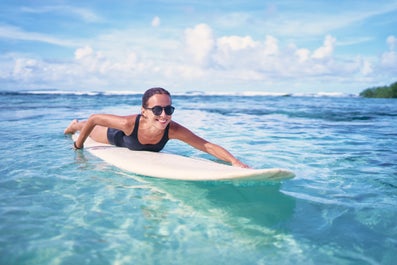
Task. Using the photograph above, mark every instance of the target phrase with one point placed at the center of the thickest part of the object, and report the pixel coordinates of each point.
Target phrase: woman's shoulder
(130, 119)
(129, 123)
(174, 126)
(133, 118)
(178, 131)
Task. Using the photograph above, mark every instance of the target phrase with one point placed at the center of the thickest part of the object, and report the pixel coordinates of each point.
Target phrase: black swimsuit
(118, 138)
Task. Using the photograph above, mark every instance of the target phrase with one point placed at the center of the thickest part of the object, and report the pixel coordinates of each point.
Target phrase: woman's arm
(124, 123)
(179, 132)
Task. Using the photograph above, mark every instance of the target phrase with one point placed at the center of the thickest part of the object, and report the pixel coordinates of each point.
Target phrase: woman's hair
(151, 92)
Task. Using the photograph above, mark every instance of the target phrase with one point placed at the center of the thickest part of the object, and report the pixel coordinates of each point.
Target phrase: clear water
(58, 206)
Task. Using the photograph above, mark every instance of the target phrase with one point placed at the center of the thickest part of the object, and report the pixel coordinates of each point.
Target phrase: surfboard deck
(177, 167)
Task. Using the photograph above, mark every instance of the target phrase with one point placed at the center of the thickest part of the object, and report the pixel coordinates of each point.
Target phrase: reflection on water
(237, 203)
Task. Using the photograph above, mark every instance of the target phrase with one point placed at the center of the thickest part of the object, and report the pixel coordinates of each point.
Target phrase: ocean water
(60, 206)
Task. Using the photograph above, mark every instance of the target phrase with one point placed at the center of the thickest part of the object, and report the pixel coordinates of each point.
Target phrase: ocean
(60, 206)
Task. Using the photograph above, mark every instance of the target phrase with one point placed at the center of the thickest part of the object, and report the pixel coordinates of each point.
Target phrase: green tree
(381, 92)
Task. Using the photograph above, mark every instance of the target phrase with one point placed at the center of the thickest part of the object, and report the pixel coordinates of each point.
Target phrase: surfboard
(177, 167)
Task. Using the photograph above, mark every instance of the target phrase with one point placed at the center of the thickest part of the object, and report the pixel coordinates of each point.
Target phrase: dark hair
(151, 92)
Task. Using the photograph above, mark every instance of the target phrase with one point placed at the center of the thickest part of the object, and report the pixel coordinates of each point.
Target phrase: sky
(285, 46)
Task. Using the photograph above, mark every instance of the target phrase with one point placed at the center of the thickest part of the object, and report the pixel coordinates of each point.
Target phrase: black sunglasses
(157, 110)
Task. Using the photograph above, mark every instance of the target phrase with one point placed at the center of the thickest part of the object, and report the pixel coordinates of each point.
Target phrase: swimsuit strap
(135, 131)
(136, 126)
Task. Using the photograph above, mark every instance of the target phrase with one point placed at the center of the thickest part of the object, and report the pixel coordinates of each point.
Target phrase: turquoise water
(59, 206)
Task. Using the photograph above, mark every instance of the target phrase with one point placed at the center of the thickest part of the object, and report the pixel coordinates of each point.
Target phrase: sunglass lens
(169, 110)
(157, 110)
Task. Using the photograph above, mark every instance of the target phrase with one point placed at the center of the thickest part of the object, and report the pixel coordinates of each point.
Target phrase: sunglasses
(157, 110)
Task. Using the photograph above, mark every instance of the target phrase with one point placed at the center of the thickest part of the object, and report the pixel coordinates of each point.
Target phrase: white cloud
(80, 53)
(271, 46)
(298, 22)
(15, 33)
(234, 52)
(24, 68)
(235, 43)
(199, 42)
(302, 54)
(325, 50)
(365, 67)
(156, 22)
(389, 58)
(124, 58)
(84, 14)
(392, 42)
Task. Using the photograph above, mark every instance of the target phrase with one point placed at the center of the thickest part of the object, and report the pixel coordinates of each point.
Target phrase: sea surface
(60, 206)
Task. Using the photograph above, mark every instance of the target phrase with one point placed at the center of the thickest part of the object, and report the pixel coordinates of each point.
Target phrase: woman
(148, 131)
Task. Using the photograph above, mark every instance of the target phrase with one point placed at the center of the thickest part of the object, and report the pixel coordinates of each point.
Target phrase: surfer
(147, 131)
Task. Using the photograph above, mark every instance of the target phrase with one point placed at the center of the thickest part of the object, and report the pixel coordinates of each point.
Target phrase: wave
(67, 92)
(265, 94)
(187, 93)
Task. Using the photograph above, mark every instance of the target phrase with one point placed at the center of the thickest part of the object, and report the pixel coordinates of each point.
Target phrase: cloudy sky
(288, 46)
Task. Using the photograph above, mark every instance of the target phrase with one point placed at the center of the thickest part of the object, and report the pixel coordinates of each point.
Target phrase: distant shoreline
(380, 92)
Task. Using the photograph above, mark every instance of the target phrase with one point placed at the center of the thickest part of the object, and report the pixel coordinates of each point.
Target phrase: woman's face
(159, 121)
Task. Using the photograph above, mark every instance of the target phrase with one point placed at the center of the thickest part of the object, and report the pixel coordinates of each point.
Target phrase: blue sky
(280, 46)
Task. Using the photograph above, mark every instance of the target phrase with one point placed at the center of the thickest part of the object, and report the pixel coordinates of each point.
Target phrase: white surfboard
(172, 166)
